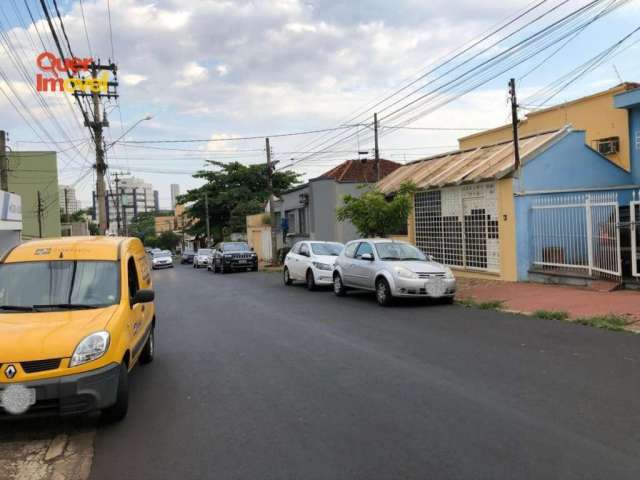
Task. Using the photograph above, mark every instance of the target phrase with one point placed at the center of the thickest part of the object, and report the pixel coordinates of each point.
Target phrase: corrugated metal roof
(488, 162)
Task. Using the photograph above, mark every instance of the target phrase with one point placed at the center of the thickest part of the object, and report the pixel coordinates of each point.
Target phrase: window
(296, 248)
(302, 220)
(132, 278)
(350, 249)
(364, 248)
(304, 250)
(459, 226)
(291, 218)
(83, 282)
(608, 146)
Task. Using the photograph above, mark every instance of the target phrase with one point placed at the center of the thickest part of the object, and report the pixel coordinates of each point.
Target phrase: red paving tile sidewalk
(576, 301)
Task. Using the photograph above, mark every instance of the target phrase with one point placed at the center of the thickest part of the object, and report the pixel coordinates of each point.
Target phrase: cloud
(258, 67)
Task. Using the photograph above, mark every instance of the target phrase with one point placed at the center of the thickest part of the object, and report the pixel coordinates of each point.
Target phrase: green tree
(234, 190)
(143, 226)
(374, 215)
(167, 241)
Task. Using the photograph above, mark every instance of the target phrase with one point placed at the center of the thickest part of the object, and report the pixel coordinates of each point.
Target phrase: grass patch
(616, 323)
(551, 315)
(485, 305)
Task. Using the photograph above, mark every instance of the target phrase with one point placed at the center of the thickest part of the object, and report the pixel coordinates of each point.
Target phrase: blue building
(565, 214)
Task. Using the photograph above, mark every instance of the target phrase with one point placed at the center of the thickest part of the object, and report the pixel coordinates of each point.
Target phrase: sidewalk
(577, 302)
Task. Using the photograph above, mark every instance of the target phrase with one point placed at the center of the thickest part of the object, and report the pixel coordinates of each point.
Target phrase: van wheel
(286, 276)
(149, 349)
(311, 281)
(383, 293)
(118, 411)
(338, 286)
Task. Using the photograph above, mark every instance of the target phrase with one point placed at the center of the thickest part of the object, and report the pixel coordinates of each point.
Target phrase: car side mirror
(144, 295)
(367, 256)
(430, 258)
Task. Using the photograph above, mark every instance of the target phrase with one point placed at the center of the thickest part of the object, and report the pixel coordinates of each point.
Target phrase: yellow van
(76, 315)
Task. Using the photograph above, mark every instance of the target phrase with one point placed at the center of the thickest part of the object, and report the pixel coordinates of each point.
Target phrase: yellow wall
(595, 114)
(507, 230)
(164, 224)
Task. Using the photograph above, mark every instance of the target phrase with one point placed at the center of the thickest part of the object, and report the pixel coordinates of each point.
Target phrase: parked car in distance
(187, 256)
(229, 256)
(311, 262)
(73, 354)
(392, 269)
(161, 259)
(201, 257)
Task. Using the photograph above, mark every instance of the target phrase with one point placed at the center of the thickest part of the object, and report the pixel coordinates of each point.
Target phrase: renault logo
(10, 371)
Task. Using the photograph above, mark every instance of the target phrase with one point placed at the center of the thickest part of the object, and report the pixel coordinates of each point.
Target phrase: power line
(231, 139)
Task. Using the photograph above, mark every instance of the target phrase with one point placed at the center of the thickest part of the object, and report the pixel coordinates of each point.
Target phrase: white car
(201, 258)
(161, 259)
(311, 262)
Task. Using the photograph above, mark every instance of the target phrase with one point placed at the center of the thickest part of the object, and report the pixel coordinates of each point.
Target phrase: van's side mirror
(367, 256)
(144, 295)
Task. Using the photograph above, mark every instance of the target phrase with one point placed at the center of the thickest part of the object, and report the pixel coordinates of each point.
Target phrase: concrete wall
(30, 172)
(596, 114)
(322, 202)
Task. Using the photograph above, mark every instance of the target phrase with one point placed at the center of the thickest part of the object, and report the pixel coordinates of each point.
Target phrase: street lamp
(148, 117)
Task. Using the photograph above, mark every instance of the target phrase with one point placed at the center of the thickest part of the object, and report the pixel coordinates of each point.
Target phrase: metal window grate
(458, 226)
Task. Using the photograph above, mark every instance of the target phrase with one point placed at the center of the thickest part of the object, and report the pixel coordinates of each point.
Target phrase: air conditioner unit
(608, 146)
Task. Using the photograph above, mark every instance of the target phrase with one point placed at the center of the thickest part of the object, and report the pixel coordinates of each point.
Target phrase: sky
(220, 69)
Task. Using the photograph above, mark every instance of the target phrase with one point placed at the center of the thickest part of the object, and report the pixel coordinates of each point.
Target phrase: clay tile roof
(360, 171)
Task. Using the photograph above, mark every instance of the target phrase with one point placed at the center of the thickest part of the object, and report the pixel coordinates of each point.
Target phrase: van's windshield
(56, 285)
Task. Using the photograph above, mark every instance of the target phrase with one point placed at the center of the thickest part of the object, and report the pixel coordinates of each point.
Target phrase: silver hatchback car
(391, 269)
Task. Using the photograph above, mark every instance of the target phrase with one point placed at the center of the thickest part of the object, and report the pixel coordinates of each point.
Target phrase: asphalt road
(255, 380)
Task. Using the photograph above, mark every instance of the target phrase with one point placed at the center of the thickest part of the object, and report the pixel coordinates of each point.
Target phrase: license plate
(17, 399)
(242, 262)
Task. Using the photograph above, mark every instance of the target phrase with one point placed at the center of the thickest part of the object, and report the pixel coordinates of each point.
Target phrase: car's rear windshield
(319, 248)
(235, 247)
(164, 253)
(45, 284)
(204, 251)
(398, 251)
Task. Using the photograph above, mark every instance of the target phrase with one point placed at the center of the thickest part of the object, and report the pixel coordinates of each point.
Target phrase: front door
(363, 269)
(137, 313)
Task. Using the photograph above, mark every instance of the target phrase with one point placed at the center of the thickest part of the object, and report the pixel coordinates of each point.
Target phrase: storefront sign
(10, 207)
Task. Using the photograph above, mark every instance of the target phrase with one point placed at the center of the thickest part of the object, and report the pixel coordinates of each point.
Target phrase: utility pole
(39, 214)
(514, 122)
(96, 125)
(66, 204)
(117, 176)
(4, 176)
(272, 210)
(377, 150)
(206, 214)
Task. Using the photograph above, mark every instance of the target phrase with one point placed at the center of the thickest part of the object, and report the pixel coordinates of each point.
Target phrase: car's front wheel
(118, 411)
(383, 293)
(149, 349)
(286, 276)
(311, 281)
(338, 287)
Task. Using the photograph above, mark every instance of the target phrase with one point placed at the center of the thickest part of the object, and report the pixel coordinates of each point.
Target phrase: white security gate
(634, 210)
(578, 233)
(458, 226)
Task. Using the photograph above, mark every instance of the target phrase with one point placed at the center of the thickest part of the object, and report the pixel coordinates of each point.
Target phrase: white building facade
(133, 196)
(175, 191)
(69, 202)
